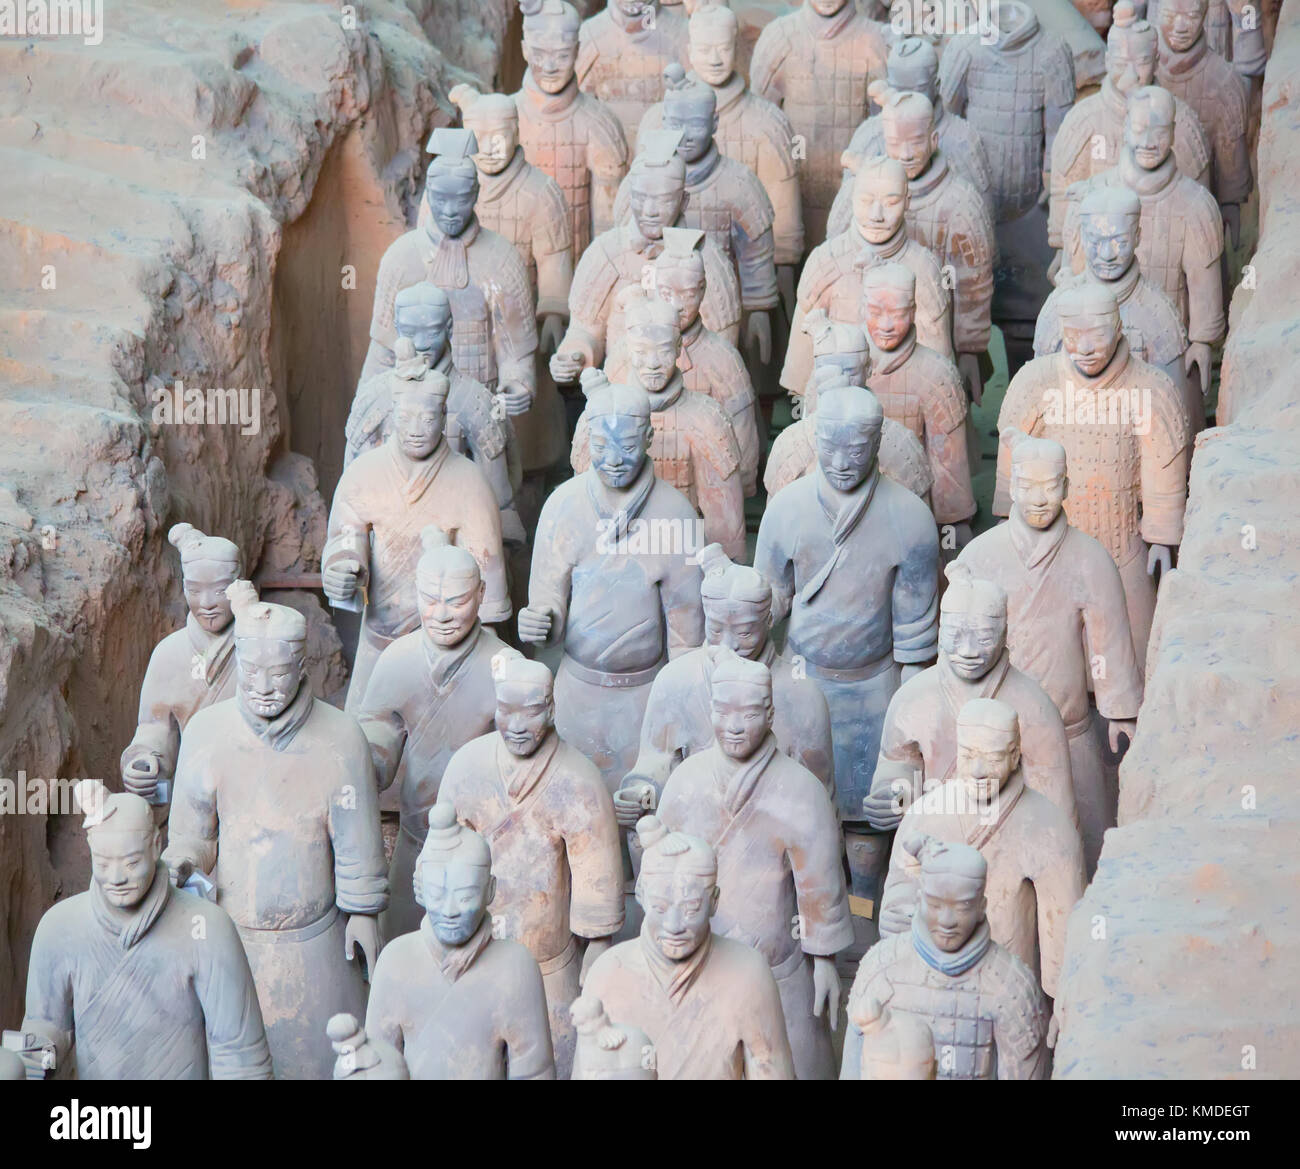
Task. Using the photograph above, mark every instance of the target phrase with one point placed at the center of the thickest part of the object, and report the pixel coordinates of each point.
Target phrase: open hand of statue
(1197, 356)
(517, 398)
(362, 933)
(636, 798)
(535, 624)
(826, 989)
(758, 335)
(1159, 558)
(339, 580)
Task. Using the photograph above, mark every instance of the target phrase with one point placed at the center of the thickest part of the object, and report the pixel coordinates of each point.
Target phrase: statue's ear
(1065, 488)
(713, 900)
(490, 892)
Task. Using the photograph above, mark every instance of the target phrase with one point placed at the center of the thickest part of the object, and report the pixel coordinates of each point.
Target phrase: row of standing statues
(656, 794)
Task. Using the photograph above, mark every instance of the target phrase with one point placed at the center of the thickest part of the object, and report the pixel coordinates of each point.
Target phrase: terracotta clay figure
(430, 693)
(737, 617)
(920, 389)
(853, 559)
(148, 982)
(693, 444)
(613, 581)
(360, 1057)
(1092, 134)
(621, 258)
(494, 326)
(708, 364)
(1109, 219)
(894, 1046)
(708, 1004)
(918, 747)
(1180, 242)
(777, 840)
(816, 64)
(275, 800)
(458, 1002)
(610, 1051)
(189, 669)
(572, 136)
(1234, 29)
(1034, 852)
(832, 277)
(383, 501)
(546, 814)
(622, 52)
(1068, 625)
(985, 1010)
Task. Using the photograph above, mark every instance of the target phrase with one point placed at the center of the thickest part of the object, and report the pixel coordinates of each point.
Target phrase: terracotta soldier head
(972, 623)
(848, 424)
(679, 277)
(1039, 483)
(988, 747)
(550, 42)
(880, 199)
(124, 841)
(1110, 220)
(419, 404)
(907, 120)
(737, 604)
(691, 108)
(453, 878)
(525, 702)
(1181, 22)
(1131, 48)
(620, 428)
(270, 651)
(740, 696)
(889, 304)
(950, 898)
(449, 586)
(422, 315)
(209, 566)
(1090, 326)
(451, 182)
(493, 119)
(677, 888)
(654, 338)
(841, 356)
(1149, 125)
(713, 31)
(913, 65)
(610, 1051)
(894, 1046)
(656, 182)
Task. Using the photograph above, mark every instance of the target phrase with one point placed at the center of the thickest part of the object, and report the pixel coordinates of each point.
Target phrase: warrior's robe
(144, 994)
(471, 1012)
(625, 595)
(381, 504)
(549, 821)
(423, 702)
(1035, 866)
(861, 585)
(713, 1016)
(779, 871)
(1065, 602)
(283, 814)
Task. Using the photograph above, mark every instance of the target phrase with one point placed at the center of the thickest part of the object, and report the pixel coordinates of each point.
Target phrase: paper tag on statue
(201, 886)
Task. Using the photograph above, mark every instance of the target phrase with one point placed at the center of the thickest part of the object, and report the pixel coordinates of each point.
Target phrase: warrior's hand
(826, 989)
(180, 870)
(758, 335)
(535, 623)
(339, 580)
(516, 398)
(1232, 224)
(896, 918)
(595, 948)
(551, 333)
(636, 798)
(140, 776)
(1198, 357)
(566, 367)
(968, 365)
(1160, 557)
(363, 933)
(1121, 726)
(884, 807)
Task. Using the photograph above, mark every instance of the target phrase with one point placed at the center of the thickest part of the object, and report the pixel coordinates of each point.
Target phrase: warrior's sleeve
(552, 249)
(721, 308)
(526, 1024)
(360, 870)
(915, 601)
(1046, 753)
(1202, 250)
(192, 822)
(840, 217)
(764, 1038)
(158, 734)
(812, 745)
(825, 927)
(954, 66)
(392, 277)
(1249, 53)
(971, 250)
(813, 292)
(594, 282)
(383, 1016)
(679, 593)
(900, 770)
(735, 394)
(1116, 677)
(952, 498)
(779, 174)
(1069, 158)
(237, 1047)
(657, 753)
(773, 561)
(1058, 73)
(486, 435)
(1191, 145)
(49, 1012)
(753, 243)
(381, 718)
(514, 320)
(898, 897)
(1166, 452)
(719, 489)
(1058, 886)
(607, 160)
(1020, 1028)
(347, 536)
(480, 534)
(551, 578)
(1021, 407)
(765, 66)
(935, 317)
(592, 842)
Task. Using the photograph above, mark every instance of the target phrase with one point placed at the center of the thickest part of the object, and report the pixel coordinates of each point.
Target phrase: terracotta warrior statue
(430, 693)
(920, 389)
(622, 52)
(359, 1057)
(457, 1001)
(189, 669)
(1068, 624)
(1034, 852)
(546, 814)
(614, 582)
(608, 1050)
(894, 1046)
(1181, 240)
(737, 617)
(622, 258)
(985, 1010)
(572, 136)
(853, 560)
(1092, 134)
(145, 981)
(708, 1003)
(708, 364)
(1124, 428)
(918, 746)
(777, 840)
(692, 441)
(275, 801)
(832, 277)
(1234, 29)
(383, 501)
(816, 64)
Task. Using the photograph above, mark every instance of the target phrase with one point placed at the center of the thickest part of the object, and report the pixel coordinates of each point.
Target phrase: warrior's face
(427, 327)
(205, 583)
(713, 53)
(456, 896)
(1181, 22)
(879, 205)
(656, 196)
(972, 642)
(740, 626)
(451, 195)
(1130, 61)
(418, 420)
(742, 716)
(678, 905)
(1109, 244)
(846, 449)
(525, 715)
(911, 141)
(270, 674)
(652, 353)
(952, 906)
(986, 759)
(1090, 342)
(683, 288)
(826, 7)
(551, 59)
(618, 449)
(697, 123)
(1150, 135)
(630, 8)
(890, 313)
(449, 608)
(123, 862)
(1038, 490)
(498, 138)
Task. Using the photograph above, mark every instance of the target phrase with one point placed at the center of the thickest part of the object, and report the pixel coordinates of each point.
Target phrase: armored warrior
(546, 814)
(816, 64)
(275, 801)
(1230, 31)
(147, 981)
(985, 1010)
(1068, 624)
(430, 693)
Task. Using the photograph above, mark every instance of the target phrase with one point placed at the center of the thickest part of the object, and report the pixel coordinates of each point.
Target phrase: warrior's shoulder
(1201, 216)
(924, 264)
(710, 431)
(1163, 330)
(766, 120)
(748, 197)
(544, 193)
(1078, 127)
(779, 36)
(878, 961)
(601, 125)
(1022, 1014)
(902, 458)
(792, 451)
(720, 356)
(822, 268)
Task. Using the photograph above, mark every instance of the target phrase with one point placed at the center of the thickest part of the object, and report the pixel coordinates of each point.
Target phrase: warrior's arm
(679, 593)
(551, 578)
(1116, 675)
(915, 600)
(527, 1028)
(49, 1012)
(596, 907)
(945, 446)
(607, 160)
(780, 178)
(1205, 319)
(360, 871)
(382, 723)
(722, 498)
(1058, 100)
(594, 281)
(773, 563)
(824, 924)
(348, 532)
(192, 828)
(514, 331)
(554, 276)
(765, 1040)
(770, 52)
(742, 410)
(383, 1019)
(158, 735)
(1018, 409)
(1166, 452)
(237, 1047)
(971, 254)
(756, 267)
(1058, 886)
(480, 534)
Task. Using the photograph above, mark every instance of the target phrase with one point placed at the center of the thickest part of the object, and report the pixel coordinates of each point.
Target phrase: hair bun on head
(650, 830)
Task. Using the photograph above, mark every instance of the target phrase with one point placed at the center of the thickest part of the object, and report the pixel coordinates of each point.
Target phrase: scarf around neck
(633, 501)
(826, 27)
(1034, 546)
(843, 522)
(444, 663)
(974, 948)
(521, 776)
(929, 179)
(493, 187)
(885, 361)
(1146, 183)
(130, 925)
(277, 733)
(453, 961)
(215, 650)
(675, 979)
(736, 780)
(871, 254)
(957, 691)
(446, 260)
(551, 106)
(1184, 62)
(417, 474)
